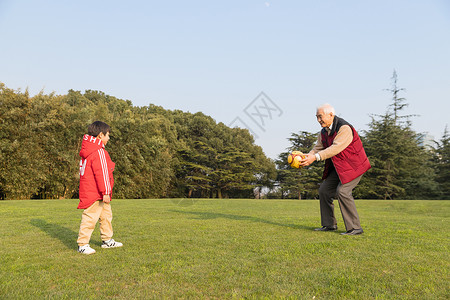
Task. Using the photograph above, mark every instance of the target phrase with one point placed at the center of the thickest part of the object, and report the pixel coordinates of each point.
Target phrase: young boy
(96, 184)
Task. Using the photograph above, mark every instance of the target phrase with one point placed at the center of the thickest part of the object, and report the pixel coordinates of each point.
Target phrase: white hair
(327, 108)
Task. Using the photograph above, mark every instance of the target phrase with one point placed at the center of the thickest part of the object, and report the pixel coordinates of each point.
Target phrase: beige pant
(99, 211)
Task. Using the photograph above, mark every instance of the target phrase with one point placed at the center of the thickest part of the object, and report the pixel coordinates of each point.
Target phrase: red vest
(351, 162)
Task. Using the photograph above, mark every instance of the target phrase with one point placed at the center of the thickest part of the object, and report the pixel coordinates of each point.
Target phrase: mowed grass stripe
(183, 248)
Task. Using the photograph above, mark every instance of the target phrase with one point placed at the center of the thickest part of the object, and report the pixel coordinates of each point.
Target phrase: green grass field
(226, 249)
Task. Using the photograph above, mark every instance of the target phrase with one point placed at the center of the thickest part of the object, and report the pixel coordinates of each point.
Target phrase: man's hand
(309, 159)
(106, 198)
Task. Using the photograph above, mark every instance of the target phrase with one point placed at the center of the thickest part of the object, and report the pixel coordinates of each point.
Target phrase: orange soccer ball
(294, 159)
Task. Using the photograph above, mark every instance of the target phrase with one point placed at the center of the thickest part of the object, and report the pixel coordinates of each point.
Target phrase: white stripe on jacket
(105, 171)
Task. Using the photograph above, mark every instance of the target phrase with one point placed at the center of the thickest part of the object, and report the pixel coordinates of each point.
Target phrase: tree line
(403, 166)
(170, 153)
(159, 152)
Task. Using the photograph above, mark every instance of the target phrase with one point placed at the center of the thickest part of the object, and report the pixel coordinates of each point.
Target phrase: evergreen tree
(398, 103)
(298, 183)
(400, 166)
(442, 159)
(218, 161)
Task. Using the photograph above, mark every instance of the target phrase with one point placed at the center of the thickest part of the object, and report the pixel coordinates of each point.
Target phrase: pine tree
(298, 183)
(400, 166)
(442, 159)
(398, 103)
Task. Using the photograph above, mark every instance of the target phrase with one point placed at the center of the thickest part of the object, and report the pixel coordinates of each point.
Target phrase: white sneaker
(111, 244)
(86, 249)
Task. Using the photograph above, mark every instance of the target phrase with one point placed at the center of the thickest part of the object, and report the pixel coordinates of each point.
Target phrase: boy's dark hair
(98, 126)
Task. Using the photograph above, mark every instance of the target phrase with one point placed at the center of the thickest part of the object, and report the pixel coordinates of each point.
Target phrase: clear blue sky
(217, 56)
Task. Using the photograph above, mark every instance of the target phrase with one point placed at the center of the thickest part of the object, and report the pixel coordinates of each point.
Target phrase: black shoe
(325, 228)
(353, 232)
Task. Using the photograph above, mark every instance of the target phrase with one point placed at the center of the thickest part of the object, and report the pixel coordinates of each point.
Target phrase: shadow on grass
(213, 215)
(67, 236)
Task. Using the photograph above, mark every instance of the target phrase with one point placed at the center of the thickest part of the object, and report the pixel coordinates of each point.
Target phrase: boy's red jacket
(96, 171)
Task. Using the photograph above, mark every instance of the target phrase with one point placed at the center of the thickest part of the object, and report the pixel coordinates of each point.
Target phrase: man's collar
(328, 129)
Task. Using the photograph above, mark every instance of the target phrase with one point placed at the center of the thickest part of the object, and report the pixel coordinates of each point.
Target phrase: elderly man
(345, 163)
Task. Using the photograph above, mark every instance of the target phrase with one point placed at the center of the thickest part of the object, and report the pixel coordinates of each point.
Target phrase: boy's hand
(106, 198)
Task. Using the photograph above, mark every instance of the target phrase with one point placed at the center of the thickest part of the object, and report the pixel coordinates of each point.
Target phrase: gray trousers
(332, 188)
